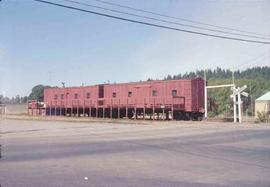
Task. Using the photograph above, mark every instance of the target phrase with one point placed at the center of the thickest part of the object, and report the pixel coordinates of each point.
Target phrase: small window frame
(114, 94)
(130, 94)
(88, 95)
(174, 93)
(76, 96)
(154, 93)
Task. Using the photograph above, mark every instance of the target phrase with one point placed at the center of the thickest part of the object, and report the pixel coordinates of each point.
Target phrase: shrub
(263, 116)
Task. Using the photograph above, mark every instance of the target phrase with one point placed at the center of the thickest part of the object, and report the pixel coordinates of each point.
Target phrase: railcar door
(101, 91)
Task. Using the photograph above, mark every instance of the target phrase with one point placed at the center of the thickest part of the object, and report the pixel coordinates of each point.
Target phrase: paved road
(36, 153)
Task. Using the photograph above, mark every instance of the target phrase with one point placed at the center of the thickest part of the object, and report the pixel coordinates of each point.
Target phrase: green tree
(37, 92)
(256, 79)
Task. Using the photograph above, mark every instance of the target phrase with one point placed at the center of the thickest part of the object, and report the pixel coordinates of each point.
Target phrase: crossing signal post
(237, 92)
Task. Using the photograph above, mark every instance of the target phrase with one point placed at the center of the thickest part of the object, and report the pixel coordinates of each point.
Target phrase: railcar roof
(138, 82)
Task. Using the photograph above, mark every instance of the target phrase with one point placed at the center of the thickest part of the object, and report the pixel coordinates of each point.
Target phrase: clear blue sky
(43, 44)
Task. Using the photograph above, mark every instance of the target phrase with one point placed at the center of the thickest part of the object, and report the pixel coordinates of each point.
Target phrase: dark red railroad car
(185, 98)
(172, 99)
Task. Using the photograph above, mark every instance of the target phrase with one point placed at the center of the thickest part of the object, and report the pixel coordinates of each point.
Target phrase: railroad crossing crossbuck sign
(238, 92)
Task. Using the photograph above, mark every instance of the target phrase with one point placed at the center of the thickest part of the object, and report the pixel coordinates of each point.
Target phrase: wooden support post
(83, 108)
(118, 113)
(96, 111)
(111, 108)
(144, 109)
(163, 117)
(54, 110)
(135, 110)
(90, 109)
(27, 108)
(103, 112)
(50, 112)
(154, 110)
(78, 110)
(127, 110)
(172, 109)
(163, 108)
(71, 111)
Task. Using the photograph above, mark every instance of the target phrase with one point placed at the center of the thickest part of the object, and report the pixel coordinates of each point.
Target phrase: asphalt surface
(40, 153)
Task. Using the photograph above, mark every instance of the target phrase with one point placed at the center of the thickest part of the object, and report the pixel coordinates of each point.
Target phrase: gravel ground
(55, 153)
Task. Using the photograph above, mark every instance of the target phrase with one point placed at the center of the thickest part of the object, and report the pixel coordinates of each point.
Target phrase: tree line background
(257, 80)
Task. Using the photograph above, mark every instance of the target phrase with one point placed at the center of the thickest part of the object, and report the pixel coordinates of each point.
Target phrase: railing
(157, 102)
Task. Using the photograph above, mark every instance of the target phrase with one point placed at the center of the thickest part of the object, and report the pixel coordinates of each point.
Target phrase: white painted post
(205, 97)
(234, 108)
(239, 107)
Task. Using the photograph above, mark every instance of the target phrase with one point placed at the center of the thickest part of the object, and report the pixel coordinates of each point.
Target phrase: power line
(254, 60)
(177, 18)
(152, 24)
(164, 21)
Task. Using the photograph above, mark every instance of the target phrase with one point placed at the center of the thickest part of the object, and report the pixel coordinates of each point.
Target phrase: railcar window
(129, 94)
(154, 93)
(174, 93)
(75, 96)
(114, 94)
(88, 95)
(62, 96)
(55, 96)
